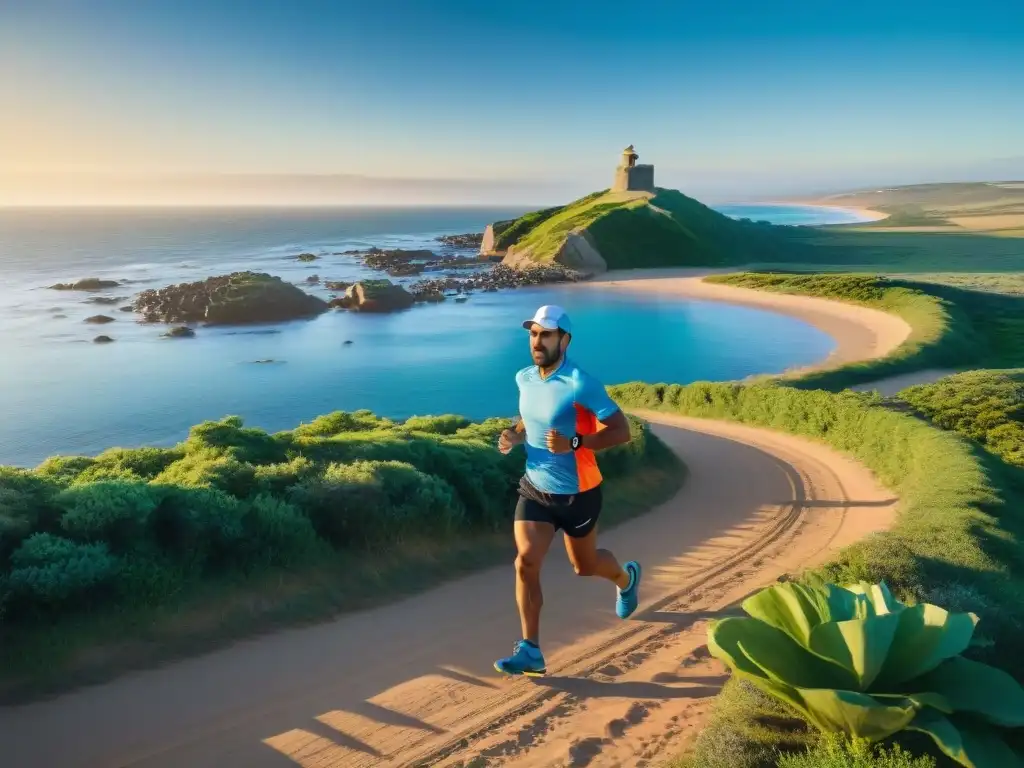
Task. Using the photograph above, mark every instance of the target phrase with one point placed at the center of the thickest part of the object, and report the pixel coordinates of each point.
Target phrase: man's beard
(545, 358)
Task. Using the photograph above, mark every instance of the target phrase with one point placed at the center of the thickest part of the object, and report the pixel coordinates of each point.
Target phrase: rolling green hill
(623, 230)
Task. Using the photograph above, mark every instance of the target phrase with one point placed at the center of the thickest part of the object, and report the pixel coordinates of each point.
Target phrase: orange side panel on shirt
(586, 462)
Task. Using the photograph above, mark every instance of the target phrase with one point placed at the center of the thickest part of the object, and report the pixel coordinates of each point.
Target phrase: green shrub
(26, 505)
(342, 421)
(835, 751)
(145, 463)
(207, 468)
(986, 406)
(64, 470)
(199, 524)
(277, 479)
(368, 503)
(438, 425)
(278, 533)
(48, 570)
(113, 511)
(229, 437)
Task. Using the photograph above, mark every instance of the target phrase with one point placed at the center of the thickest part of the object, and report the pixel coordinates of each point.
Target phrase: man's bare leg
(532, 543)
(588, 560)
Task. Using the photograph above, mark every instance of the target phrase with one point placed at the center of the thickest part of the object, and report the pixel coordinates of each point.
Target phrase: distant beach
(800, 214)
(862, 215)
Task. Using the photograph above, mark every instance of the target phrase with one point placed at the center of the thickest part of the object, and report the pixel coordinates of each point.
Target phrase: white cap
(550, 317)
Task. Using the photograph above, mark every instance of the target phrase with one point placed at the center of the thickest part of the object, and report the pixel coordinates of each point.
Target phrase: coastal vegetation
(957, 542)
(950, 450)
(236, 529)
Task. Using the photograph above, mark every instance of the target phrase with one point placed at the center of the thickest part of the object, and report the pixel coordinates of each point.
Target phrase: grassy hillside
(633, 229)
(992, 207)
(985, 406)
(236, 530)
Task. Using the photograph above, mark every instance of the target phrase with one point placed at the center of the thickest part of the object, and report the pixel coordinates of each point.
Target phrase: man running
(566, 416)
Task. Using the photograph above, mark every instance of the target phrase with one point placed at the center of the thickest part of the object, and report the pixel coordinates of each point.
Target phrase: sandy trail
(411, 683)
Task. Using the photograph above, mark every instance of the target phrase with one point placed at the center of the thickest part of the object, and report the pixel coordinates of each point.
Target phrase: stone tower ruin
(630, 177)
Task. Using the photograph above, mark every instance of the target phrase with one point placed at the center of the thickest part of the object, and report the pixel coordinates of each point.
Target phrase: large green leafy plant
(855, 660)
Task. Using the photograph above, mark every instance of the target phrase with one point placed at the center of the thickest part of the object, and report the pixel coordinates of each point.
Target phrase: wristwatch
(576, 442)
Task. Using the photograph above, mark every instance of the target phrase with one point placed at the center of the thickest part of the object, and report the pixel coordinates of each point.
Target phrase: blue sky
(743, 96)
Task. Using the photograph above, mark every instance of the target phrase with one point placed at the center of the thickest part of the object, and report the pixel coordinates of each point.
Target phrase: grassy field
(953, 328)
(986, 406)
(957, 541)
(842, 249)
(991, 207)
(136, 555)
(1011, 283)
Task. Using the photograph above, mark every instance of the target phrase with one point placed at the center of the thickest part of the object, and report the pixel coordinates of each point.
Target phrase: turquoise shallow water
(59, 393)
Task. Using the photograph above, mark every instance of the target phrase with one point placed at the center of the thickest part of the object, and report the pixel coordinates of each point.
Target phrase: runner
(566, 417)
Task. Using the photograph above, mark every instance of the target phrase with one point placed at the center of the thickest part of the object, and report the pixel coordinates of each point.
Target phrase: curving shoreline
(866, 214)
(860, 333)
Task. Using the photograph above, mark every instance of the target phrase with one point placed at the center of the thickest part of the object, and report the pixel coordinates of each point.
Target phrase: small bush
(64, 470)
(834, 751)
(113, 511)
(438, 425)
(26, 505)
(48, 570)
(200, 524)
(207, 468)
(278, 533)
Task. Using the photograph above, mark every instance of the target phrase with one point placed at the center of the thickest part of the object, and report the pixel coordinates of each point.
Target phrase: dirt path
(412, 683)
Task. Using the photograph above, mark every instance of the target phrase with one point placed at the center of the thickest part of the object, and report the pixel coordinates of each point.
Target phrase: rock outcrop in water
(238, 298)
(498, 278)
(375, 296)
(468, 240)
(99, 319)
(86, 284)
(180, 332)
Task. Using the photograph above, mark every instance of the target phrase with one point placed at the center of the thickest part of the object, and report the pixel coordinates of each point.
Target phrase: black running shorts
(576, 514)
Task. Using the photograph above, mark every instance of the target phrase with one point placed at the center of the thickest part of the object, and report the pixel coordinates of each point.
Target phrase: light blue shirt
(571, 401)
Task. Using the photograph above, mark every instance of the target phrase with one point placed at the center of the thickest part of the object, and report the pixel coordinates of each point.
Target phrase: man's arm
(615, 432)
(591, 394)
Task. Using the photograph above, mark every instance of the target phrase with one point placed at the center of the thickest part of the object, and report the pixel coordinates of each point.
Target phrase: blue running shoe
(526, 659)
(628, 598)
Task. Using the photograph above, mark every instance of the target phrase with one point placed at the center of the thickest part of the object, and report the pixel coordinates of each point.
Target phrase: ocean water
(62, 394)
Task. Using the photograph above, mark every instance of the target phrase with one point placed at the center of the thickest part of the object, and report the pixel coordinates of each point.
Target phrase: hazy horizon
(408, 103)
